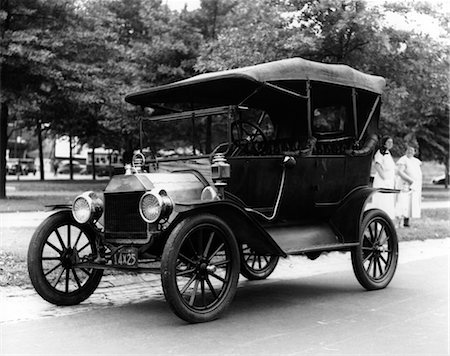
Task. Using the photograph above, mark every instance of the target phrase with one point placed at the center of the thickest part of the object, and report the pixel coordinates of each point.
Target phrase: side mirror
(289, 162)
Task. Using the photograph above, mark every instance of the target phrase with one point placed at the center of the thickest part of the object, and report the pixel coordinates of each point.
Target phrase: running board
(139, 268)
(295, 240)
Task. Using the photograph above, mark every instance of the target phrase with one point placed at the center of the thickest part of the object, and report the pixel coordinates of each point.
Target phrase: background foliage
(69, 64)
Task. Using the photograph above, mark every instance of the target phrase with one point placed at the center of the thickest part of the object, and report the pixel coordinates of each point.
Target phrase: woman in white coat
(410, 185)
(385, 170)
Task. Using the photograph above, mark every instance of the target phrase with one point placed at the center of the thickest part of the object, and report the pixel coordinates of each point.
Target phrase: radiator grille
(122, 218)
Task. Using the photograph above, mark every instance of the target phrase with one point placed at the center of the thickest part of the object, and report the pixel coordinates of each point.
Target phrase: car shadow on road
(271, 298)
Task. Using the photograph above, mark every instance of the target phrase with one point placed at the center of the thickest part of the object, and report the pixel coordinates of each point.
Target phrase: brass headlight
(155, 206)
(87, 207)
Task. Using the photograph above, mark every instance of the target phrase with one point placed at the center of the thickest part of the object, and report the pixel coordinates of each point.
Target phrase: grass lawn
(56, 185)
(431, 192)
(434, 224)
(13, 271)
(35, 195)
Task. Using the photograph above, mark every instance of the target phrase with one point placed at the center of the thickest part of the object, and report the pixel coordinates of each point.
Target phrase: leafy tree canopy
(69, 64)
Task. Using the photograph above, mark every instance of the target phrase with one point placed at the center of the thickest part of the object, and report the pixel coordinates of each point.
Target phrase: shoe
(406, 222)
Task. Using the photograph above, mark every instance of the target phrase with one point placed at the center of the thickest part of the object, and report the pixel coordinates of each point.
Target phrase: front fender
(346, 220)
(246, 228)
(58, 207)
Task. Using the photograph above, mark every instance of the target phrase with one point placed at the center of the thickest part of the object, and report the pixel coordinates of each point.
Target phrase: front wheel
(375, 259)
(200, 268)
(56, 247)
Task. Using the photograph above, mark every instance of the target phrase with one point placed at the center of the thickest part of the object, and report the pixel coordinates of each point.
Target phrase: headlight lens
(87, 206)
(150, 207)
(155, 206)
(81, 210)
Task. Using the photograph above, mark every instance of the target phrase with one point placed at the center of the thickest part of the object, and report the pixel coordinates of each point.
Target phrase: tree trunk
(70, 158)
(3, 145)
(216, 10)
(110, 168)
(41, 153)
(93, 163)
(193, 135)
(3, 106)
(446, 173)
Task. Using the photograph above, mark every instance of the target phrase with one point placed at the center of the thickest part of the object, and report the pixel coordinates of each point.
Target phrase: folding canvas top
(234, 85)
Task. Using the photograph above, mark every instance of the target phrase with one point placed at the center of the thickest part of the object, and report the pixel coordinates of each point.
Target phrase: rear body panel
(314, 187)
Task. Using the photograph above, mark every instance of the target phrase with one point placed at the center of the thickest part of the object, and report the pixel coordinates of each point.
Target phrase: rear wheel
(58, 244)
(255, 266)
(200, 268)
(375, 259)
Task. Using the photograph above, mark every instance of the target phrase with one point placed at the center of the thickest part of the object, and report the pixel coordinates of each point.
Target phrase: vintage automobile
(291, 177)
(21, 166)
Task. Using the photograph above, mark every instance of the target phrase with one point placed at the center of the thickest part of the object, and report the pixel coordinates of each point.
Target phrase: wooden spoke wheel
(375, 259)
(56, 247)
(255, 266)
(200, 268)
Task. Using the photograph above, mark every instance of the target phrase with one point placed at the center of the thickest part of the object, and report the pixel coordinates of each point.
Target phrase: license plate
(127, 257)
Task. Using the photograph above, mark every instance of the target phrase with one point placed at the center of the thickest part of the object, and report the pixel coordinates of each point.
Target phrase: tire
(200, 268)
(375, 259)
(56, 246)
(255, 266)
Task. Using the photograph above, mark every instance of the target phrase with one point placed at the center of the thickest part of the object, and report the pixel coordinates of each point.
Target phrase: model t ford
(289, 176)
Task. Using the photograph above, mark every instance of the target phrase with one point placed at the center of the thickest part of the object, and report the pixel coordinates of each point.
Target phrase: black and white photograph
(224, 177)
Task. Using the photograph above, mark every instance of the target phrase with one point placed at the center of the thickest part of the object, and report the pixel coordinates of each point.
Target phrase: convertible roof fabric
(236, 84)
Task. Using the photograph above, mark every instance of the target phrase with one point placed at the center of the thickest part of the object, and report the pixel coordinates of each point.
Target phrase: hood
(180, 186)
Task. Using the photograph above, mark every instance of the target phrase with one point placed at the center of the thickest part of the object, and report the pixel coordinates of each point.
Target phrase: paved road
(305, 307)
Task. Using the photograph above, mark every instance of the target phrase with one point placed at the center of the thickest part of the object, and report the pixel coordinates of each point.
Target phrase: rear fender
(347, 219)
(246, 229)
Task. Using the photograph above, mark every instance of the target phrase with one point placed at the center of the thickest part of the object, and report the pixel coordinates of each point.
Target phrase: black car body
(291, 177)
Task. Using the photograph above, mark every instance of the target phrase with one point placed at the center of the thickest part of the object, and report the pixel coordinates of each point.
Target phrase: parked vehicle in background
(64, 167)
(439, 180)
(12, 165)
(106, 161)
(289, 175)
(27, 165)
(21, 166)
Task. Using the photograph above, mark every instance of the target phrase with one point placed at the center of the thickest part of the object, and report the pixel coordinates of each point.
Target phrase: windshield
(189, 137)
(184, 135)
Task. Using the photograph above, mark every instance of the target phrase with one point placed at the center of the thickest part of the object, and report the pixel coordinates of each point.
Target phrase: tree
(160, 46)
(253, 32)
(28, 43)
(211, 17)
(416, 106)
(414, 64)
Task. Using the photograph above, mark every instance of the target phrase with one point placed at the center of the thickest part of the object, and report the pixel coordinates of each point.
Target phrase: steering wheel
(255, 141)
